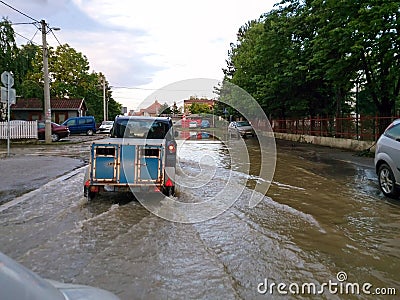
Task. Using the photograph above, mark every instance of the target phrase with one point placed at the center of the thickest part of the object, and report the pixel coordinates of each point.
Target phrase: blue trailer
(140, 155)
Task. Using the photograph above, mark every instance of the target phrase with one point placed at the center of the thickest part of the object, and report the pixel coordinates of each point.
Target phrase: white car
(17, 282)
(387, 160)
(193, 124)
(106, 126)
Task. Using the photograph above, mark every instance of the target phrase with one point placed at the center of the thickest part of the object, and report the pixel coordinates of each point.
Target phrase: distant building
(151, 111)
(189, 102)
(61, 109)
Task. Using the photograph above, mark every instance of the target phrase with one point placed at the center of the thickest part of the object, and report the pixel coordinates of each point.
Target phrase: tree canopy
(68, 73)
(305, 58)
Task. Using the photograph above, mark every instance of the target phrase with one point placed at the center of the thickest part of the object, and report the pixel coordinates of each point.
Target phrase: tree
(164, 109)
(8, 47)
(8, 51)
(174, 109)
(199, 108)
(304, 57)
(69, 73)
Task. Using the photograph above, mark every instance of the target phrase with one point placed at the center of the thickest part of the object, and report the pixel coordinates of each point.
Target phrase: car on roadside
(205, 124)
(58, 132)
(387, 160)
(77, 125)
(192, 124)
(18, 282)
(106, 127)
(240, 129)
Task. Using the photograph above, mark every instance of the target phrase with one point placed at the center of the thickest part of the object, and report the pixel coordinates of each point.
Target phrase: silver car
(17, 282)
(240, 128)
(387, 160)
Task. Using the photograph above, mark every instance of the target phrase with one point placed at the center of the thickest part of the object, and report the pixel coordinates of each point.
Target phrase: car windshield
(242, 123)
(140, 128)
(107, 123)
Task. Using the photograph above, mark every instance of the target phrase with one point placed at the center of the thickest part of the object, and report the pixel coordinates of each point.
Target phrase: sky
(142, 46)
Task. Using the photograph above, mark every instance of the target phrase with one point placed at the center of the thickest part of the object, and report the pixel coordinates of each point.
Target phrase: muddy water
(321, 216)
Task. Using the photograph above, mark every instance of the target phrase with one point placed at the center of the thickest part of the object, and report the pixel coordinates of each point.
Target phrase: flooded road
(323, 218)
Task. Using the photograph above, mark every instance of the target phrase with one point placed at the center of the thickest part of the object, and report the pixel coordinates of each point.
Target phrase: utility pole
(47, 107)
(104, 99)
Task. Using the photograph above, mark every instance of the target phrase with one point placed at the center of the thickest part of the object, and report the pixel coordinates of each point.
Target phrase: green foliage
(165, 109)
(68, 72)
(199, 108)
(305, 57)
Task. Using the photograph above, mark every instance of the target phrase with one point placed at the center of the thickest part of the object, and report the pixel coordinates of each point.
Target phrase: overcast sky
(142, 45)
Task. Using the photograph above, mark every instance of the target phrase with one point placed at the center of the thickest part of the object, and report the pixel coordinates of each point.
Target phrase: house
(151, 111)
(61, 109)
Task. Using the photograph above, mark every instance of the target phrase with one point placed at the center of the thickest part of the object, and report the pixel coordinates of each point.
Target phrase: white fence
(19, 130)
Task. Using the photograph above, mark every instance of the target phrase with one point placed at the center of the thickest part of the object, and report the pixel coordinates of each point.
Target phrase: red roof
(56, 104)
(151, 110)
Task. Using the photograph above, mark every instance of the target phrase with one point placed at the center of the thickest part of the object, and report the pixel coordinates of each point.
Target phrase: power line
(30, 40)
(13, 8)
(33, 19)
(52, 32)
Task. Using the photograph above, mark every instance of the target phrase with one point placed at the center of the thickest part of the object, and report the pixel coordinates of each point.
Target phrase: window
(71, 122)
(394, 132)
(136, 128)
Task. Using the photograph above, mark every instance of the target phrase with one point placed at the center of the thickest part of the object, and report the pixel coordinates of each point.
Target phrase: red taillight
(169, 183)
(87, 183)
(171, 147)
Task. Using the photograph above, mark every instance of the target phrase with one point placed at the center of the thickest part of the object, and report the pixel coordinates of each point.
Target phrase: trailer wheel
(91, 195)
(88, 194)
(169, 191)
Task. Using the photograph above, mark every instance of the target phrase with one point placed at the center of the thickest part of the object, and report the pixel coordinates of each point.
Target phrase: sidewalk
(31, 166)
(20, 174)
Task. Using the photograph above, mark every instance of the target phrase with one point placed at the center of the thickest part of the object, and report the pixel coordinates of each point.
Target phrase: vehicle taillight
(171, 147)
(169, 183)
(87, 183)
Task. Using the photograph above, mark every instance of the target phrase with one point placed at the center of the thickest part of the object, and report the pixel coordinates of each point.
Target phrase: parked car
(192, 124)
(58, 132)
(240, 128)
(205, 124)
(387, 160)
(78, 125)
(17, 282)
(106, 126)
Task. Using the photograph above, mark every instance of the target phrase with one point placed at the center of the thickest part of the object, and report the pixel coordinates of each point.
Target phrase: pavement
(30, 166)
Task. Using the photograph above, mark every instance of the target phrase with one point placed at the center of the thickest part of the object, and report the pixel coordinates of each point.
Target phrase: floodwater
(323, 218)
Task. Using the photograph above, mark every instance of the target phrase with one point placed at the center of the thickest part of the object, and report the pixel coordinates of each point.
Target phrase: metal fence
(19, 130)
(365, 128)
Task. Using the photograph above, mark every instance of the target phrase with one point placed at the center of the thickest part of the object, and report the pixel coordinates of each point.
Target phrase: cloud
(146, 44)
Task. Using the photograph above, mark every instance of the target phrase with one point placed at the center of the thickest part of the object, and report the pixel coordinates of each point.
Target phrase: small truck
(139, 156)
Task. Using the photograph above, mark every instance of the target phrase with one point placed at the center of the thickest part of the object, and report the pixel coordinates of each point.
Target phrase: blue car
(77, 125)
(205, 124)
